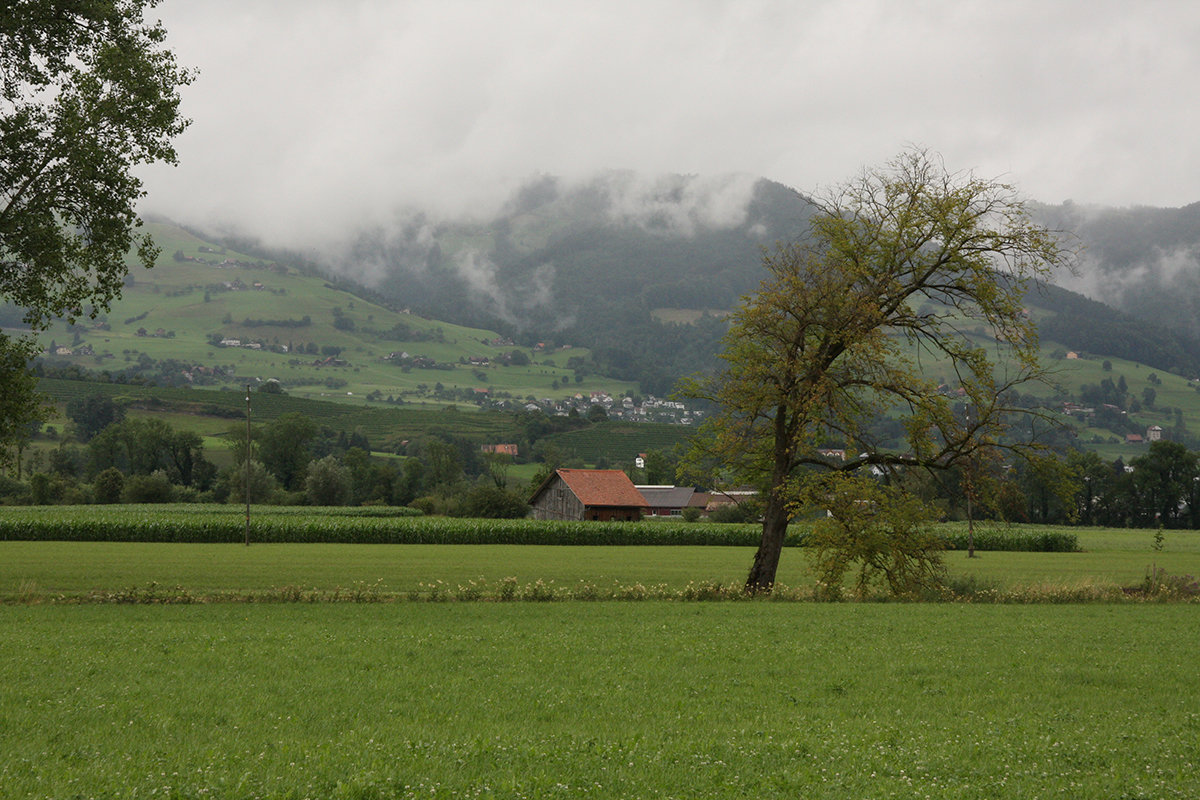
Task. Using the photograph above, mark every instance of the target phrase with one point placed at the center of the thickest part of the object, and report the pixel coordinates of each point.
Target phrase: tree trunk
(775, 515)
(766, 560)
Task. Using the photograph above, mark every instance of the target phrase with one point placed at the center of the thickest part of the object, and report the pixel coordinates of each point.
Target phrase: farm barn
(599, 494)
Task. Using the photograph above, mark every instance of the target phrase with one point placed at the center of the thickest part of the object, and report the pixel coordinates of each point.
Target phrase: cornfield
(394, 525)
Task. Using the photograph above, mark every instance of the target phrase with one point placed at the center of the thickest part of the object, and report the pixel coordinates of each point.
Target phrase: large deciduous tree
(1163, 482)
(283, 446)
(88, 92)
(870, 315)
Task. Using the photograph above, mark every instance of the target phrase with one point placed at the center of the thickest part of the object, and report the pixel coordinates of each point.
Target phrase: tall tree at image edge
(88, 93)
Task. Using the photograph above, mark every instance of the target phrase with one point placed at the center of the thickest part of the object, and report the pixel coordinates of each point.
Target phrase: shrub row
(1166, 589)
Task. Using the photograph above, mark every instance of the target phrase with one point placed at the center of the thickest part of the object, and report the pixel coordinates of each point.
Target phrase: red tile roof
(602, 487)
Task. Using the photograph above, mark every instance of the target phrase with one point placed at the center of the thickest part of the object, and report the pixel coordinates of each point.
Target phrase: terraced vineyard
(619, 443)
(378, 424)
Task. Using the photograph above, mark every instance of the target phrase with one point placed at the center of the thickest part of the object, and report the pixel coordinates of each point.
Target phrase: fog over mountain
(534, 260)
(1142, 260)
(558, 166)
(537, 212)
(557, 247)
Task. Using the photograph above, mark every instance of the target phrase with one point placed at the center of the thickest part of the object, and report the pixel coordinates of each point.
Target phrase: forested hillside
(1144, 261)
(589, 265)
(1081, 324)
(602, 265)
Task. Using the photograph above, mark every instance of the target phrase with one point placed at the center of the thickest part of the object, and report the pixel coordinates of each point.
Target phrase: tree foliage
(1162, 480)
(88, 93)
(92, 414)
(283, 446)
(108, 486)
(327, 483)
(859, 319)
(256, 482)
(879, 531)
(142, 446)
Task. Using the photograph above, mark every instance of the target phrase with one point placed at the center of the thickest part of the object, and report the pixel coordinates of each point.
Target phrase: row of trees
(109, 457)
(1158, 488)
(295, 460)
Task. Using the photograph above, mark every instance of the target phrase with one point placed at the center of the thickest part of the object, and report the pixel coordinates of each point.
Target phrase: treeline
(403, 332)
(303, 322)
(1091, 327)
(140, 371)
(1159, 488)
(106, 457)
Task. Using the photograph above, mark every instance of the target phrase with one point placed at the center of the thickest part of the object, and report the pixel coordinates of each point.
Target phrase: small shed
(667, 501)
(594, 494)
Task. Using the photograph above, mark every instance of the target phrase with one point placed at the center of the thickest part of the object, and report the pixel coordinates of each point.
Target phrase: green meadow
(600, 700)
(109, 689)
(171, 312)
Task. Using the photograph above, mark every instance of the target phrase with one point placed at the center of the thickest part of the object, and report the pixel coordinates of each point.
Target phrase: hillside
(617, 287)
(210, 316)
(612, 263)
(1142, 261)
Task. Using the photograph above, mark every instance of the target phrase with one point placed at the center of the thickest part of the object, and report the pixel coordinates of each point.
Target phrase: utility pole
(970, 521)
(970, 486)
(247, 465)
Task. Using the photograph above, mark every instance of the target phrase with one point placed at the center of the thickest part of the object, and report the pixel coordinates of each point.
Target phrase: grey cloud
(310, 117)
(678, 204)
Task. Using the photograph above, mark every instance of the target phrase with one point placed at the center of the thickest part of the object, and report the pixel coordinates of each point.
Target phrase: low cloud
(511, 302)
(678, 204)
(312, 118)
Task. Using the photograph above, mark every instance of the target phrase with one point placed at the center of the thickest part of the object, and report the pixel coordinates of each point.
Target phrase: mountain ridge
(592, 263)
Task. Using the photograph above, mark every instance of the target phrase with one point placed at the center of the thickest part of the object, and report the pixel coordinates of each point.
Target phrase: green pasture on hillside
(600, 700)
(378, 423)
(187, 302)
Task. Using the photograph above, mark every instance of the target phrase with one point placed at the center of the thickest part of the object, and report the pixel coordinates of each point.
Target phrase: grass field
(34, 570)
(606, 699)
(600, 700)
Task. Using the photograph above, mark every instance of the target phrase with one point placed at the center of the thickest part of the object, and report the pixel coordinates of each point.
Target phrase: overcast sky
(309, 114)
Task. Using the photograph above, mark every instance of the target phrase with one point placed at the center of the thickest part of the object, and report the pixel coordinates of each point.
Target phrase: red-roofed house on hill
(599, 494)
